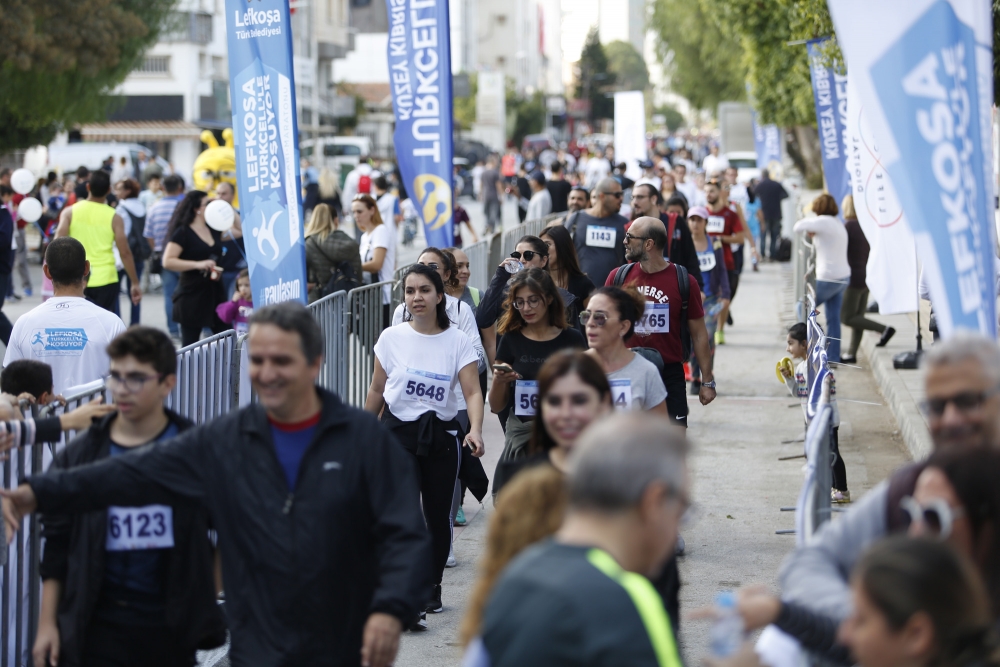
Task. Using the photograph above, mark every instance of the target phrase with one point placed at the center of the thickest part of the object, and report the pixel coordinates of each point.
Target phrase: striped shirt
(158, 219)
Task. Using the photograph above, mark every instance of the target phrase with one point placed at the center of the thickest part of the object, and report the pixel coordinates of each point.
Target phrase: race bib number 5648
(428, 388)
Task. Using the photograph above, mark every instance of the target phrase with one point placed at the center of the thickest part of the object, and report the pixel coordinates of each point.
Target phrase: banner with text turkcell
(262, 90)
(924, 72)
(419, 55)
(830, 96)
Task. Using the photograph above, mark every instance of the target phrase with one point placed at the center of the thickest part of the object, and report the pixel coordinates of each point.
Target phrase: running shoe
(435, 606)
(720, 337)
(420, 624)
(451, 562)
(460, 519)
(27, 291)
(840, 497)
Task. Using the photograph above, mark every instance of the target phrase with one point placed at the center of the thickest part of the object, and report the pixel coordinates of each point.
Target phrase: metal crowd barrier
(509, 238)
(397, 288)
(804, 272)
(480, 269)
(208, 369)
(332, 314)
(366, 319)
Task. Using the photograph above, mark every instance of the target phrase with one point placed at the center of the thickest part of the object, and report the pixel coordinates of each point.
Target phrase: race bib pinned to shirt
(525, 398)
(601, 237)
(427, 388)
(706, 261)
(716, 224)
(139, 528)
(655, 319)
(621, 394)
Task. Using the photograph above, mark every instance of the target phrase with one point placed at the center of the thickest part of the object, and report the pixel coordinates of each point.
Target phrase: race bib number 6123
(137, 528)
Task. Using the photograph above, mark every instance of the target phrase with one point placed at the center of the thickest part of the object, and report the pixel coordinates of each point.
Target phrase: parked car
(471, 150)
(340, 154)
(745, 163)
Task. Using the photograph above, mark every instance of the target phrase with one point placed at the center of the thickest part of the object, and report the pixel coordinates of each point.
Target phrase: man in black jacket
(680, 246)
(128, 585)
(325, 556)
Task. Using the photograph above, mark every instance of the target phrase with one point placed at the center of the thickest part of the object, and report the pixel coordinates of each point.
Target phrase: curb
(911, 423)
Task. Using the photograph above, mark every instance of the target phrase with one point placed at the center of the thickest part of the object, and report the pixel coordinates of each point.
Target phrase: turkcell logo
(931, 88)
(433, 196)
(58, 342)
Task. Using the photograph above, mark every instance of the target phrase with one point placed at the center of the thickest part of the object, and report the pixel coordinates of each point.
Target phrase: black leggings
(191, 334)
(839, 469)
(438, 473)
(113, 645)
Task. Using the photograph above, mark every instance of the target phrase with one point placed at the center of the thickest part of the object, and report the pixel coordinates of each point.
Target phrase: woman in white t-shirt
(610, 320)
(419, 366)
(378, 246)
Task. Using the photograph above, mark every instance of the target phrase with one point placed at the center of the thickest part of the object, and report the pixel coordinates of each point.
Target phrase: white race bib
(427, 388)
(621, 394)
(242, 328)
(601, 237)
(137, 528)
(525, 398)
(706, 261)
(716, 224)
(655, 319)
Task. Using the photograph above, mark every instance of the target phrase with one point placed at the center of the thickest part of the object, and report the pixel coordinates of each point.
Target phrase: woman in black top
(534, 327)
(564, 267)
(852, 312)
(193, 251)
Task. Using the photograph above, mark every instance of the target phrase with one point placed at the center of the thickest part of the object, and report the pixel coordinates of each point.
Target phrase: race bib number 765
(655, 319)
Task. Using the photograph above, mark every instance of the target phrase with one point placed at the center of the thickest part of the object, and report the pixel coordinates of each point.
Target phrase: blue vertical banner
(419, 54)
(830, 96)
(924, 71)
(262, 90)
(767, 144)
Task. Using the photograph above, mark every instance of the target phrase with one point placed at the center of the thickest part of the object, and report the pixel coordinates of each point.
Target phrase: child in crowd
(797, 382)
(237, 311)
(28, 379)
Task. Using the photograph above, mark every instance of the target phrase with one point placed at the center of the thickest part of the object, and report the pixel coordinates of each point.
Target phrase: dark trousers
(191, 334)
(839, 469)
(136, 308)
(772, 232)
(677, 402)
(852, 314)
(112, 645)
(105, 296)
(438, 473)
(5, 326)
(734, 283)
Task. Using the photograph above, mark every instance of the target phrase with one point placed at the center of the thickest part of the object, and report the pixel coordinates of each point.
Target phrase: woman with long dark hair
(193, 250)
(564, 267)
(421, 366)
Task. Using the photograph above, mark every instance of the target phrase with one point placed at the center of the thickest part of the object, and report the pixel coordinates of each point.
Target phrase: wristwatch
(710, 385)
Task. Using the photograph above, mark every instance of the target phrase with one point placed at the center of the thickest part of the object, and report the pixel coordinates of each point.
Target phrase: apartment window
(201, 28)
(154, 66)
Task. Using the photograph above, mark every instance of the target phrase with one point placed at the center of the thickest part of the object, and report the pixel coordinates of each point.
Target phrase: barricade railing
(207, 378)
(527, 228)
(804, 274)
(480, 269)
(331, 313)
(366, 320)
(397, 287)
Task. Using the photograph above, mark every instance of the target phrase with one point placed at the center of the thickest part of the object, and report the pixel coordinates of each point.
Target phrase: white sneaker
(451, 562)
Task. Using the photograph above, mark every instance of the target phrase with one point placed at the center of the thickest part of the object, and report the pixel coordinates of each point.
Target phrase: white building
(623, 20)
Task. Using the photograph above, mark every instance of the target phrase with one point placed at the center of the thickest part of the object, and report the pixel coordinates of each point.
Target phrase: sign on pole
(419, 53)
(262, 89)
(630, 131)
(924, 72)
(830, 97)
(767, 144)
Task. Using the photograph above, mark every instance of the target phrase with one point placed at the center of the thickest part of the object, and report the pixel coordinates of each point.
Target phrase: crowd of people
(326, 530)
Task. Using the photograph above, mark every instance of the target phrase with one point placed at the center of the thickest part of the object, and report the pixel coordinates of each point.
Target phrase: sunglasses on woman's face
(599, 319)
(527, 255)
(937, 516)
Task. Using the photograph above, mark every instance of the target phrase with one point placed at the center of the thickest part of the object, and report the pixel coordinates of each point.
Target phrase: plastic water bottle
(513, 267)
(727, 632)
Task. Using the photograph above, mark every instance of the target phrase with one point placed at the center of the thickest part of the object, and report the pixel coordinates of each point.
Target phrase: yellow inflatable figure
(216, 164)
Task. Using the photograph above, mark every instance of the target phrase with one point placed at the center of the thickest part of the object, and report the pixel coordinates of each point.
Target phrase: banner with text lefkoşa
(830, 97)
(420, 78)
(262, 90)
(924, 70)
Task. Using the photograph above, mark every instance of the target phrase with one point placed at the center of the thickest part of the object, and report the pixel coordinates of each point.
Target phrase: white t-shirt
(380, 237)
(713, 164)
(422, 371)
(689, 190)
(387, 205)
(637, 385)
(597, 169)
(70, 334)
(831, 246)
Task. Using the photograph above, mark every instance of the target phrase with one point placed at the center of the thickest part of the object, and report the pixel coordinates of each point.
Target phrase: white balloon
(30, 209)
(219, 215)
(22, 180)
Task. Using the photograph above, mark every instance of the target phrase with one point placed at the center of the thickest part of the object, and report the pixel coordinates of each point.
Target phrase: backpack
(365, 184)
(685, 289)
(342, 276)
(784, 253)
(136, 243)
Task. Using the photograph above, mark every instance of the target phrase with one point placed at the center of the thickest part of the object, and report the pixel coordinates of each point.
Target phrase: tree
(60, 60)
(674, 118)
(627, 65)
(464, 108)
(595, 77)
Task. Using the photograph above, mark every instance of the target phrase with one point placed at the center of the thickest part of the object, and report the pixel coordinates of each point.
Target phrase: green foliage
(627, 65)
(705, 65)
(674, 118)
(525, 115)
(60, 60)
(595, 77)
(464, 108)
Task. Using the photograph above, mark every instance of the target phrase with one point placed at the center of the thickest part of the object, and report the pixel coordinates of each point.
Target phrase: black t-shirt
(559, 191)
(526, 356)
(770, 193)
(553, 608)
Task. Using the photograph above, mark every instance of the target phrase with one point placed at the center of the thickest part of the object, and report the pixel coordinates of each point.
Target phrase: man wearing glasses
(598, 232)
(962, 407)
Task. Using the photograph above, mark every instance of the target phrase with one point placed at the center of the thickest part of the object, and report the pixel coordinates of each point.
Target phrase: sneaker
(451, 562)
(840, 497)
(844, 359)
(886, 337)
(729, 319)
(420, 624)
(720, 337)
(460, 519)
(695, 388)
(680, 547)
(27, 291)
(435, 606)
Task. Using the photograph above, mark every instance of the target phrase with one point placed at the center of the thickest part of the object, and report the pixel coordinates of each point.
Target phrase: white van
(340, 154)
(66, 158)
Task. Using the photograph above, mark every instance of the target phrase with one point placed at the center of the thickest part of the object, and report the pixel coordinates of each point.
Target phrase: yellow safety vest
(91, 226)
(647, 602)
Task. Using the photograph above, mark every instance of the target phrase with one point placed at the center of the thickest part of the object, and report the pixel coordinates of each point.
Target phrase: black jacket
(74, 555)
(303, 570)
(682, 250)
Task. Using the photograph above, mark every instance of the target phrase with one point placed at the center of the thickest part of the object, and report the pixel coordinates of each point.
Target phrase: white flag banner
(892, 263)
(630, 131)
(923, 70)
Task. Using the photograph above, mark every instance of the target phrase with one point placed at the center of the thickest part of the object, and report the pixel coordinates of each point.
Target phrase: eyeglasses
(430, 265)
(964, 402)
(527, 255)
(937, 515)
(599, 319)
(134, 382)
(531, 302)
(629, 237)
(618, 194)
